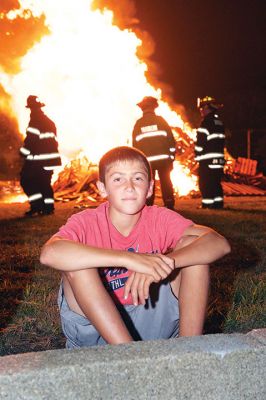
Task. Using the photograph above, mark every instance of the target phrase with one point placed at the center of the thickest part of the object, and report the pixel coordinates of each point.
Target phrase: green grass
(29, 319)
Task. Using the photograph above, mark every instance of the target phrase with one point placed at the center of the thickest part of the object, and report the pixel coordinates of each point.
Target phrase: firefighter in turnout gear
(40, 150)
(209, 152)
(153, 136)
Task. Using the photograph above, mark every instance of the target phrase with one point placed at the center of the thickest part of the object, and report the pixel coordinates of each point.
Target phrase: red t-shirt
(157, 231)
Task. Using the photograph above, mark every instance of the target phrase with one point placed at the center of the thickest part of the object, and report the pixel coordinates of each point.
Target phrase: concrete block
(215, 367)
(258, 334)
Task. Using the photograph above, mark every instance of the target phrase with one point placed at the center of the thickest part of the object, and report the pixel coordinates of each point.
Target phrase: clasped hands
(146, 269)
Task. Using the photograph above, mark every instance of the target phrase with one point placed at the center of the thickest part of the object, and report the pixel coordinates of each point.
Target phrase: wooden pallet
(240, 189)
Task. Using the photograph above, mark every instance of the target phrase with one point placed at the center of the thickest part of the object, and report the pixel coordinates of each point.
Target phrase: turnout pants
(164, 167)
(36, 183)
(210, 186)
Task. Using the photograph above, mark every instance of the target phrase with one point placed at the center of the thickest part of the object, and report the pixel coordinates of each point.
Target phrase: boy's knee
(79, 275)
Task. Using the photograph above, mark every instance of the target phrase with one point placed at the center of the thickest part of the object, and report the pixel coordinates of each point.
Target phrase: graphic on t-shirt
(115, 278)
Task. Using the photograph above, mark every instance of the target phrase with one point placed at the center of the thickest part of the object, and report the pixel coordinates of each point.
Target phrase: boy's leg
(158, 318)
(191, 286)
(78, 330)
(95, 302)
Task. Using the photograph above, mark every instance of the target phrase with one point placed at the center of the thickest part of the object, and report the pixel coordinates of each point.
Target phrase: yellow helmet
(208, 101)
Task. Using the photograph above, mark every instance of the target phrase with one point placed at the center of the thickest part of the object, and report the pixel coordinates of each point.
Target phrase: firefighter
(40, 151)
(209, 152)
(153, 136)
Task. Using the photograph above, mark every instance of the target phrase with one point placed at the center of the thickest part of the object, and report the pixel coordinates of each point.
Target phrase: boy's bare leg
(191, 286)
(97, 305)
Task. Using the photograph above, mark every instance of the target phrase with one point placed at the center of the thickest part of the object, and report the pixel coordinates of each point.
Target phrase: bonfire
(90, 73)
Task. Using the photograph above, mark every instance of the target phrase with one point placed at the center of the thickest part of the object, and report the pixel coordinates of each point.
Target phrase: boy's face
(126, 186)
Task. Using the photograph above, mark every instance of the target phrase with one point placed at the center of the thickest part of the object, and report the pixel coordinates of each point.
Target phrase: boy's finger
(146, 287)
(166, 265)
(141, 290)
(128, 285)
(135, 288)
(134, 293)
(155, 274)
(169, 262)
(163, 269)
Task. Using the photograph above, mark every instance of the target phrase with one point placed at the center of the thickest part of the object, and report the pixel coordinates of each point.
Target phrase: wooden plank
(229, 189)
(241, 189)
(249, 189)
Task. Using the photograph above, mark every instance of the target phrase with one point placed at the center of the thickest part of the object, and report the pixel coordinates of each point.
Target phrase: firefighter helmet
(34, 102)
(148, 102)
(208, 101)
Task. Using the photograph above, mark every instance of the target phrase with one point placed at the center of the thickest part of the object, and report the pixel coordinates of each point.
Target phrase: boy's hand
(138, 285)
(158, 266)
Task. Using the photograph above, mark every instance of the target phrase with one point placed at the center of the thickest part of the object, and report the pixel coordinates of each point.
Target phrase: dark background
(215, 48)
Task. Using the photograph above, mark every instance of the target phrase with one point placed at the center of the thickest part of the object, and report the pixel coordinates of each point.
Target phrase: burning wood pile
(241, 177)
(77, 182)
(185, 150)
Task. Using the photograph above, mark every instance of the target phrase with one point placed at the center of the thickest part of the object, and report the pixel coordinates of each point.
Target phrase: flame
(87, 72)
(15, 198)
(183, 181)
(11, 192)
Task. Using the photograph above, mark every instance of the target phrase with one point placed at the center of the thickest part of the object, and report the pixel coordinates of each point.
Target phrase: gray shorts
(157, 319)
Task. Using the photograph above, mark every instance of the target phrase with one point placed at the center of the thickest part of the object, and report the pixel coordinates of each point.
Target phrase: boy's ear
(101, 188)
(150, 190)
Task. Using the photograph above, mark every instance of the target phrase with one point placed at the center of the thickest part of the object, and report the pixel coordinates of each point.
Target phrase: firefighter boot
(32, 213)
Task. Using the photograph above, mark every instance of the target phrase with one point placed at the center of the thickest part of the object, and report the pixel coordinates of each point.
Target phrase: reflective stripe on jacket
(40, 145)
(209, 144)
(153, 136)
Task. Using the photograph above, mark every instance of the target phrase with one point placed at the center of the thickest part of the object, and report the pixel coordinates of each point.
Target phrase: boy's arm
(67, 255)
(207, 247)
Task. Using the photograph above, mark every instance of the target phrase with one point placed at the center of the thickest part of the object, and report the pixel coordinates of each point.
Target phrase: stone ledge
(215, 367)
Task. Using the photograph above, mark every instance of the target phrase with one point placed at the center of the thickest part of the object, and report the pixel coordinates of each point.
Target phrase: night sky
(213, 48)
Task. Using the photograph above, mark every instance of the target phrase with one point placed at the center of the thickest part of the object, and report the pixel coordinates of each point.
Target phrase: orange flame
(87, 73)
(183, 181)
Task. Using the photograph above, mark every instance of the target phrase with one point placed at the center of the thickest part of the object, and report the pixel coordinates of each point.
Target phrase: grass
(29, 319)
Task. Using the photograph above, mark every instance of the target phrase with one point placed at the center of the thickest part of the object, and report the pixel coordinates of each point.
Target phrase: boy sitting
(131, 271)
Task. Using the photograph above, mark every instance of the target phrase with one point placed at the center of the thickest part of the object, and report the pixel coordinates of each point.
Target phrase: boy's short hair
(122, 153)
